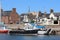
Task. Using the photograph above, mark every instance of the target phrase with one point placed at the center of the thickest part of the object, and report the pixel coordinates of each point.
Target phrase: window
(42, 19)
(10, 18)
(11, 23)
(51, 17)
(55, 22)
(17, 22)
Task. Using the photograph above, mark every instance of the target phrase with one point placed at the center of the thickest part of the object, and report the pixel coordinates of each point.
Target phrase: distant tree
(32, 21)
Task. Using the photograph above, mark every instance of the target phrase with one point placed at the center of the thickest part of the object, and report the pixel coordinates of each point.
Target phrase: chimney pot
(51, 11)
(14, 9)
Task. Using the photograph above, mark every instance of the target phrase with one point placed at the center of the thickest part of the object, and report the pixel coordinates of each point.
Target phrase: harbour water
(25, 37)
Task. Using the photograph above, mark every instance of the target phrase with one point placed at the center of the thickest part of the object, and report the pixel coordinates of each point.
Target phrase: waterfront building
(51, 18)
(10, 17)
(54, 18)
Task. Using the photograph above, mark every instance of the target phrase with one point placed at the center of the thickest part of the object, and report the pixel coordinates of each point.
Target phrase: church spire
(28, 9)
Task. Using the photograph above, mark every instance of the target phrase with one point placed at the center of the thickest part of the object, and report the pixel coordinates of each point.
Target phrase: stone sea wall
(55, 28)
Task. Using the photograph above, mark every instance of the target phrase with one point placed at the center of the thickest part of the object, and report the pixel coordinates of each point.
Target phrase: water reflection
(36, 37)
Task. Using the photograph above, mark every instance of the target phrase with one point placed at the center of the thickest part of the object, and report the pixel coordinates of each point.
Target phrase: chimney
(14, 9)
(45, 14)
(39, 13)
(51, 10)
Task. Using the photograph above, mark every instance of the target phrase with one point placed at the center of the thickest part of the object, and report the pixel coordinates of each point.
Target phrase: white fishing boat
(44, 32)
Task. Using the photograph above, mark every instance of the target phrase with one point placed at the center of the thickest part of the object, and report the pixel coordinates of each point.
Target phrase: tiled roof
(6, 13)
(57, 14)
(42, 15)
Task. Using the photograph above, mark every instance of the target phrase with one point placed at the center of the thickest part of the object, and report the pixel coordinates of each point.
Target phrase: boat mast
(0, 14)
(36, 18)
(28, 9)
(0, 11)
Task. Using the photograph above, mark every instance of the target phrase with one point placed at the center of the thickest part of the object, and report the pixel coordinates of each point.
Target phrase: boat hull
(28, 32)
(46, 32)
(3, 31)
(42, 32)
(38, 31)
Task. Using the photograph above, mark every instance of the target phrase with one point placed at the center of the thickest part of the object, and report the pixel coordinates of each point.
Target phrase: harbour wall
(55, 29)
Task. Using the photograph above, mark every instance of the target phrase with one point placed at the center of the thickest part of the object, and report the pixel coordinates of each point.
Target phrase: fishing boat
(3, 29)
(44, 32)
(30, 30)
(27, 30)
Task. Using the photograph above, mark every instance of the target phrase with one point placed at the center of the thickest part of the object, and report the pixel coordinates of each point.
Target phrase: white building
(52, 16)
(51, 21)
(25, 18)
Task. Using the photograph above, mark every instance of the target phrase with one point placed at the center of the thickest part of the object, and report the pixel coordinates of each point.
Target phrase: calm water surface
(19, 37)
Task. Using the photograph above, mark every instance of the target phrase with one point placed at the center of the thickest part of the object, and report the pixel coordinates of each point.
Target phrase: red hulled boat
(3, 29)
